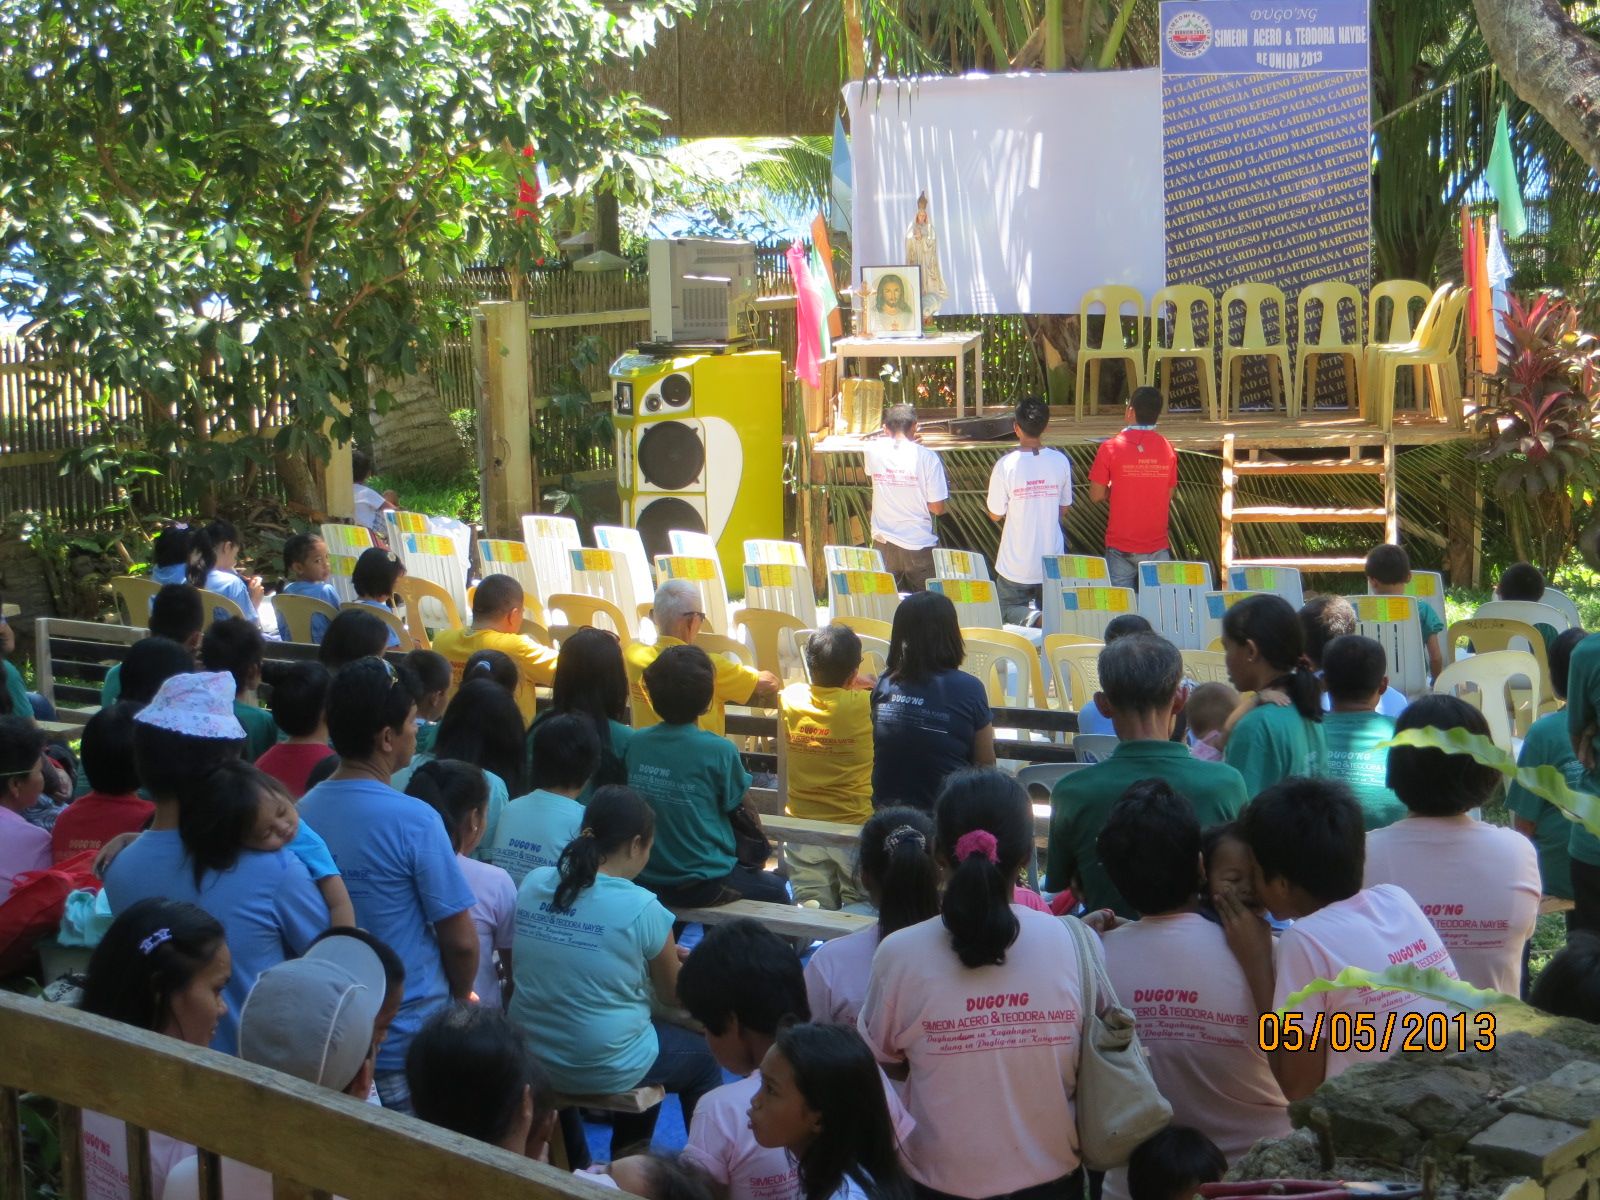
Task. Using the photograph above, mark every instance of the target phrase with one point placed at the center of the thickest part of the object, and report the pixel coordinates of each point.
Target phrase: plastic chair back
(726, 647)
(1256, 299)
(550, 540)
(1530, 611)
(388, 617)
(1492, 675)
(135, 594)
(1217, 605)
(1488, 634)
(345, 544)
(1086, 611)
(1094, 747)
(1277, 581)
(297, 612)
(1428, 587)
(1334, 309)
(1172, 599)
(769, 550)
(1173, 327)
(600, 573)
(1205, 666)
(770, 633)
(959, 564)
(1392, 622)
(1075, 669)
(853, 558)
(977, 601)
(434, 557)
(1064, 571)
(428, 607)
(579, 610)
(1008, 666)
(706, 576)
(402, 522)
(782, 586)
(1563, 604)
(218, 606)
(1114, 302)
(862, 594)
(874, 652)
(503, 556)
(687, 544)
(1037, 777)
(629, 546)
(1393, 307)
(867, 627)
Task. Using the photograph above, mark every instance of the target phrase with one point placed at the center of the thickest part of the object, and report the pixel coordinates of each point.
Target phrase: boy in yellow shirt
(827, 727)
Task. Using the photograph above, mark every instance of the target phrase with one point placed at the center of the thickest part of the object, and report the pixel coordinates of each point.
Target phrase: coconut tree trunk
(1550, 63)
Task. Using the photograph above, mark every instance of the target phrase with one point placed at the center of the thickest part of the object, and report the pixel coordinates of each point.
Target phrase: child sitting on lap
(1208, 708)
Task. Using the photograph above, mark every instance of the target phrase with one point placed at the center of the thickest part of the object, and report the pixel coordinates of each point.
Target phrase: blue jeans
(393, 1090)
(1018, 601)
(683, 1066)
(1123, 565)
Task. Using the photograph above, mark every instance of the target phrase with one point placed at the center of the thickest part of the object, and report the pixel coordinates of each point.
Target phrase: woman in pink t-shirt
(895, 857)
(981, 1010)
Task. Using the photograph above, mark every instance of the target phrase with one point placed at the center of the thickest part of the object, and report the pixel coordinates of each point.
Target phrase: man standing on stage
(1138, 469)
(908, 491)
(1030, 490)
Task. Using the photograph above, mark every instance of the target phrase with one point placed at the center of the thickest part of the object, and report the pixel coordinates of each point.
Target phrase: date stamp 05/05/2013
(1366, 1033)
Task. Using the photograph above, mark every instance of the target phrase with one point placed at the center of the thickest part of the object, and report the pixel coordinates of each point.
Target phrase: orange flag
(1483, 299)
(819, 239)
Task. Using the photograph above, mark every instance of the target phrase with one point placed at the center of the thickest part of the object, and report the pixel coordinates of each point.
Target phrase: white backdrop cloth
(1040, 186)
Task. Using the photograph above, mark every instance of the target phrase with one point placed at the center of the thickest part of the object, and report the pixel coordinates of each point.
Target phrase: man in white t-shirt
(908, 491)
(1030, 490)
(1309, 847)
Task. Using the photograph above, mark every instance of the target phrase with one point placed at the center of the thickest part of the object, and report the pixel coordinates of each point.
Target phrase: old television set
(702, 290)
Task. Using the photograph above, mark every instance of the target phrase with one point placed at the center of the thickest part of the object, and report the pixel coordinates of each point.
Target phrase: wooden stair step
(1321, 466)
(1331, 564)
(1285, 514)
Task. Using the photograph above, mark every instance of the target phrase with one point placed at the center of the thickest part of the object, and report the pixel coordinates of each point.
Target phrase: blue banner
(1228, 37)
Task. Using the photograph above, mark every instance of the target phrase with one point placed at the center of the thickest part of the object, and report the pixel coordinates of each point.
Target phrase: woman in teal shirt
(591, 681)
(1264, 648)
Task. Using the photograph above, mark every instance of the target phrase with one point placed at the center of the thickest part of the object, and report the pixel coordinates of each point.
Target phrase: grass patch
(436, 495)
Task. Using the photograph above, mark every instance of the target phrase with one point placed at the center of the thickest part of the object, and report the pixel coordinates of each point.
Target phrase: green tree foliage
(215, 204)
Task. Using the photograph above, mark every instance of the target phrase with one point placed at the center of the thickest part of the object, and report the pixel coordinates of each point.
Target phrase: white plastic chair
(687, 544)
(1046, 775)
(1075, 670)
(345, 544)
(1205, 666)
(849, 558)
(1491, 676)
(1068, 571)
(550, 540)
(600, 573)
(1086, 611)
(633, 560)
(435, 558)
(1172, 599)
(1278, 581)
(1528, 611)
(770, 550)
(1392, 622)
(1217, 605)
(959, 564)
(459, 536)
(862, 594)
(504, 556)
(1562, 603)
(1007, 664)
(706, 576)
(1428, 586)
(977, 601)
(785, 587)
(1094, 747)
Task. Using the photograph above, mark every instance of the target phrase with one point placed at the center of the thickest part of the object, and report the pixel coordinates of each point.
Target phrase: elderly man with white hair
(678, 620)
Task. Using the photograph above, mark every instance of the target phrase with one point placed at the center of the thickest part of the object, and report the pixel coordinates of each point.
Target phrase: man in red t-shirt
(111, 807)
(1138, 469)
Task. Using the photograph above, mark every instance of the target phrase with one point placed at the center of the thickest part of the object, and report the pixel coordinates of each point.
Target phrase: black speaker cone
(671, 456)
(660, 517)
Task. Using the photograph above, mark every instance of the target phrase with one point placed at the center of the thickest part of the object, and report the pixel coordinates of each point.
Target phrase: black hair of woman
(455, 790)
(483, 725)
(614, 818)
(1271, 624)
(895, 855)
(925, 638)
(985, 835)
(152, 951)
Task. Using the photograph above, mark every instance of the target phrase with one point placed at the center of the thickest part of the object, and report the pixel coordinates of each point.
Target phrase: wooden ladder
(1263, 462)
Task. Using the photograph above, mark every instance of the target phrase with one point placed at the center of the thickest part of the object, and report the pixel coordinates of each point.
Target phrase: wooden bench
(241, 1111)
(838, 836)
(1553, 904)
(813, 924)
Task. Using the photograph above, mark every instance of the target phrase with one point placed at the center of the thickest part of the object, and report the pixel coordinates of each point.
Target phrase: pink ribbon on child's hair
(978, 841)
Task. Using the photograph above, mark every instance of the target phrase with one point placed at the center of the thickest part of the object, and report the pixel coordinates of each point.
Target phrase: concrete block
(1533, 1146)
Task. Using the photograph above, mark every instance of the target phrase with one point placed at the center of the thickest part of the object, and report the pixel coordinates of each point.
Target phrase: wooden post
(504, 458)
(338, 481)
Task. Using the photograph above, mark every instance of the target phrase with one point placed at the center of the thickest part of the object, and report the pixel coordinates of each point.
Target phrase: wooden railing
(314, 1142)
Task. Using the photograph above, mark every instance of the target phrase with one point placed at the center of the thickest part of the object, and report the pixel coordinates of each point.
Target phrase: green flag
(1502, 175)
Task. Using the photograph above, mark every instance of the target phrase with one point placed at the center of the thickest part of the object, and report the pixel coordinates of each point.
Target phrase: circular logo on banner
(1189, 34)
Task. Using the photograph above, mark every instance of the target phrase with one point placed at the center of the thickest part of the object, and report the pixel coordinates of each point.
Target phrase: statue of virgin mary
(922, 250)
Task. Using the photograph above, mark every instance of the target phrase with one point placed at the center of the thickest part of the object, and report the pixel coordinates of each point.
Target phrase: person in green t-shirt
(1388, 572)
(694, 780)
(1583, 728)
(1141, 677)
(234, 645)
(1264, 647)
(1353, 672)
(1524, 581)
(1548, 744)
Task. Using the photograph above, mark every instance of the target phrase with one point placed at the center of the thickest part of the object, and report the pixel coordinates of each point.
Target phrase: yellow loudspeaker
(700, 448)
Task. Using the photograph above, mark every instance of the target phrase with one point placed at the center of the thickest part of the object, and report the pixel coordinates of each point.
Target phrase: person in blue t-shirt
(929, 717)
(306, 573)
(591, 947)
(394, 854)
(265, 900)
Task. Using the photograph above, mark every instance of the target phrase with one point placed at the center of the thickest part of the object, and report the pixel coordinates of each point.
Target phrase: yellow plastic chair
(770, 631)
(1327, 300)
(1435, 356)
(388, 618)
(867, 626)
(136, 594)
(1175, 337)
(721, 646)
(412, 591)
(1491, 634)
(995, 656)
(1393, 307)
(1255, 299)
(1205, 666)
(1114, 345)
(585, 610)
(297, 612)
(1076, 669)
(1408, 335)
(1491, 675)
(216, 600)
